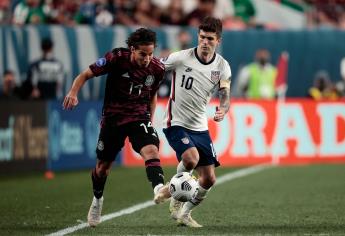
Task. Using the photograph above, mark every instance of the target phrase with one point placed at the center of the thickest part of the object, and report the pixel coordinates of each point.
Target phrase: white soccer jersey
(192, 86)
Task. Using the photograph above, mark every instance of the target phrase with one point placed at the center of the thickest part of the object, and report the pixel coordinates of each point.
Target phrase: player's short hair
(141, 36)
(211, 24)
(46, 44)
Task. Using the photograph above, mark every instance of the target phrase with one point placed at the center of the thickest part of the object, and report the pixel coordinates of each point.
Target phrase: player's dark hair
(211, 24)
(141, 36)
(46, 44)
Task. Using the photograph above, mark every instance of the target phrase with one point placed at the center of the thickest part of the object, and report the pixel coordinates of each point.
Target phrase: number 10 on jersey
(187, 83)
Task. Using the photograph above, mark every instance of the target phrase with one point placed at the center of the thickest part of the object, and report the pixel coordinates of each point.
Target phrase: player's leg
(206, 173)
(145, 141)
(206, 180)
(99, 177)
(175, 205)
(187, 155)
(182, 168)
(155, 173)
(189, 160)
(110, 142)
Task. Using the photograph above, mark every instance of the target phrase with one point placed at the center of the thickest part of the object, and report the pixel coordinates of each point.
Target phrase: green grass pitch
(293, 200)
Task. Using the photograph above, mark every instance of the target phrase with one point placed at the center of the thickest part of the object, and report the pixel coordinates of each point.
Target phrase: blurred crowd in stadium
(256, 80)
(235, 14)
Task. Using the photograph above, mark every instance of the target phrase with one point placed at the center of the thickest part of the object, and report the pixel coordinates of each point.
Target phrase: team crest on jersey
(185, 140)
(215, 75)
(101, 62)
(150, 79)
(188, 69)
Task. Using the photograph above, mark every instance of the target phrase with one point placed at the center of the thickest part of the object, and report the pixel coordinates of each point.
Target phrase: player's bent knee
(211, 181)
(189, 163)
(103, 168)
(207, 182)
(149, 152)
(101, 172)
(190, 158)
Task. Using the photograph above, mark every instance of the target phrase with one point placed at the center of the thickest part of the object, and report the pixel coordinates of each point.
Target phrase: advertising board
(298, 131)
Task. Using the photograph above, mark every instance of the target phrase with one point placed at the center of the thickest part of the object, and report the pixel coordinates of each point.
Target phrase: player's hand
(70, 102)
(219, 115)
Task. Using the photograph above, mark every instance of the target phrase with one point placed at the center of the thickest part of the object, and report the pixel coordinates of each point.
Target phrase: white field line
(241, 173)
(222, 179)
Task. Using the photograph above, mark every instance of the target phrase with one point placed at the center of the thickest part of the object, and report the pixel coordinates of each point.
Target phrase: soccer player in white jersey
(197, 74)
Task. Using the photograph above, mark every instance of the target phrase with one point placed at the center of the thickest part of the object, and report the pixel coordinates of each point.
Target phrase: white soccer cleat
(94, 216)
(162, 193)
(174, 208)
(187, 220)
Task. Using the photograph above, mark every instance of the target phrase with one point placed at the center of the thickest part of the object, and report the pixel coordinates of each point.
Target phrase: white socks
(156, 188)
(200, 196)
(182, 168)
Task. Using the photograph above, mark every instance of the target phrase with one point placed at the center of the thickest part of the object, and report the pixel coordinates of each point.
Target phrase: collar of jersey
(204, 63)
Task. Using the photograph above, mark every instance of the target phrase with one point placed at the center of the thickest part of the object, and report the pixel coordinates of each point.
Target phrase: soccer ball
(183, 187)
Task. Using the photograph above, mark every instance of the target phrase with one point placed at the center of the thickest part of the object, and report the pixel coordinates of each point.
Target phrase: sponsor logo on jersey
(100, 145)
(150, 79)
(188, 69)
(101, 62)
(185, 140)
(215, 75)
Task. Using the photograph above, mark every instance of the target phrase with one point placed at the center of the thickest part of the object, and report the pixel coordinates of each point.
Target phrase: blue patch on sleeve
(101, 62)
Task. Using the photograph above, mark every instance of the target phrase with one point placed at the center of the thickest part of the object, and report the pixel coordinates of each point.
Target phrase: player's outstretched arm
(71, 99)
(224, 102)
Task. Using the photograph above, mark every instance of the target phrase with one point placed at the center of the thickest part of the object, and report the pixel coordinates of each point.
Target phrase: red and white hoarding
(297, 131)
